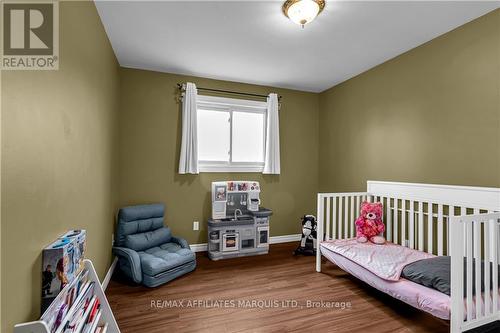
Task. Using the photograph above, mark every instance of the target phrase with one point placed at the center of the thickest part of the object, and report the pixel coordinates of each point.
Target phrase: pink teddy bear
(369, 224)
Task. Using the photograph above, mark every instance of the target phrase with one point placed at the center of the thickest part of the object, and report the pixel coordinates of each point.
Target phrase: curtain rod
(181, 87)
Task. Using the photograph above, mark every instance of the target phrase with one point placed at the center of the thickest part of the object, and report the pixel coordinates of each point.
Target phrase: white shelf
(107, 316)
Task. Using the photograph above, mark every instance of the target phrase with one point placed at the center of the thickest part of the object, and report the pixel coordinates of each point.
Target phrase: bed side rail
(412, 221)
(475, 252)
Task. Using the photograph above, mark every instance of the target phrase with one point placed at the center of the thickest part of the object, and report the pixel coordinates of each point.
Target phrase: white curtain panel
(272, 156)
(188, 162)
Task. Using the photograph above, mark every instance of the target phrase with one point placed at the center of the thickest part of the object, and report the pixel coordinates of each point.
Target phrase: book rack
(104, 317)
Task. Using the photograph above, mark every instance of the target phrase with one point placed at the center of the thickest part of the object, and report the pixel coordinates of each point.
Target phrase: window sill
(232, 168)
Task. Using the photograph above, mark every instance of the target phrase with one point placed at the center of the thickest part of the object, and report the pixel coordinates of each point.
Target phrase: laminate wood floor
(267, 293)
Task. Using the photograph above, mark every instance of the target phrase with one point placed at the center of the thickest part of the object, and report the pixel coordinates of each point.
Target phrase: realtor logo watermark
(30, 32)
(250, 304)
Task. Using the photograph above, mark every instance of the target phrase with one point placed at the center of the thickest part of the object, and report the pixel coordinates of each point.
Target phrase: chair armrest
(133, 260)
(181, 241)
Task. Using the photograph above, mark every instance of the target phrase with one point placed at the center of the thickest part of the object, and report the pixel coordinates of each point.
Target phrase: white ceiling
(253, 42)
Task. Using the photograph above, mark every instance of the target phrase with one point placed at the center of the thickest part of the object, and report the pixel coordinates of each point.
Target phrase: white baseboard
(109, 274)
(272, 240)
(198, 247)
(284, 239)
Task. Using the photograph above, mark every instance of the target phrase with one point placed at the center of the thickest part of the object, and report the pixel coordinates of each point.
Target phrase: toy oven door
(263, 236)
(230, 241)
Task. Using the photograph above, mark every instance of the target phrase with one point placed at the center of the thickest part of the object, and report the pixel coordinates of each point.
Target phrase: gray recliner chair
(147, 252)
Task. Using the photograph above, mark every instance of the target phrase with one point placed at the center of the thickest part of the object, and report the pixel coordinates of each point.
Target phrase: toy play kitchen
(239, 226)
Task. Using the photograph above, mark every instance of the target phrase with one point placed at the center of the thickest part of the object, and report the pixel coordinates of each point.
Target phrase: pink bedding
(386, 261)
(426, 299)
(420, 297)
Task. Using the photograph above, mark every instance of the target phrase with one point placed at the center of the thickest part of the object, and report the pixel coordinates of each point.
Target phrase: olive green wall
(150, 133)
(431, 115)
(59, 158)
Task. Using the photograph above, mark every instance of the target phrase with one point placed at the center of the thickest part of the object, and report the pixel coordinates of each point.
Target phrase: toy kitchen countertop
(262, 212)
(248, 218)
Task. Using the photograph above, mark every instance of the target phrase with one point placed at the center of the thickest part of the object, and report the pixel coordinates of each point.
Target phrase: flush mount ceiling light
(303, 12)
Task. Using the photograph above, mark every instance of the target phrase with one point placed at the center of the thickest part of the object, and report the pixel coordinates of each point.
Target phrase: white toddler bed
(457, 221)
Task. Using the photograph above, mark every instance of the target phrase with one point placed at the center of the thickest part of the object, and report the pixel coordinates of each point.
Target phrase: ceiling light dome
(303, 12)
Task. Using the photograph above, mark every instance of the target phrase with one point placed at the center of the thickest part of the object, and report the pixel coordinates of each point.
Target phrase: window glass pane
(248, 137)
(213, 135)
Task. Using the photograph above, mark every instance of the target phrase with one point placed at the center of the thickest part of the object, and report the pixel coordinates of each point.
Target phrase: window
(231, 134)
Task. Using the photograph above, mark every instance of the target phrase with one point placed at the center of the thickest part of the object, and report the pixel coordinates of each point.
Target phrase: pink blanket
(420, 297)
(386, 261)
